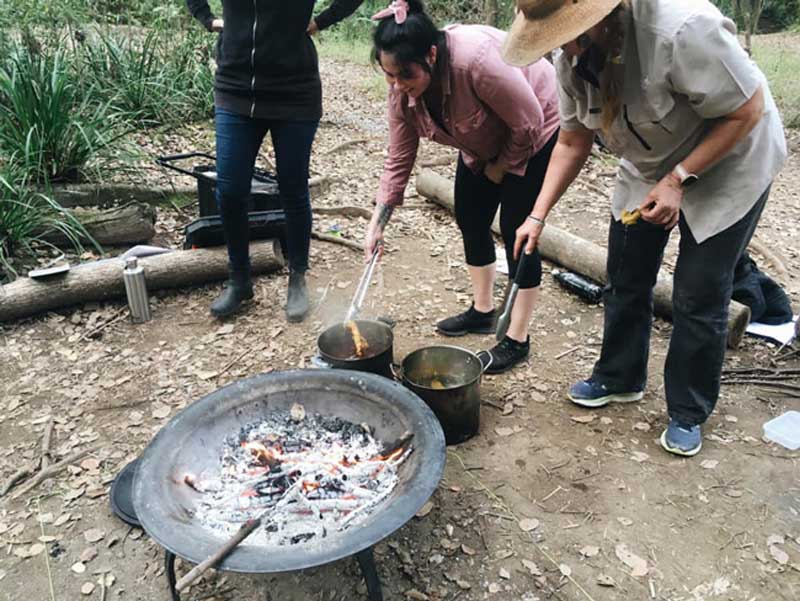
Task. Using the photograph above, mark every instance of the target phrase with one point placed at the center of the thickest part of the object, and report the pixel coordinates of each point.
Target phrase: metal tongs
(363, 284)
(505, 318)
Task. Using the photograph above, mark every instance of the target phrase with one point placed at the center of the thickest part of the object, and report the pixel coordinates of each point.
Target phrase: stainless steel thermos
(136, 290)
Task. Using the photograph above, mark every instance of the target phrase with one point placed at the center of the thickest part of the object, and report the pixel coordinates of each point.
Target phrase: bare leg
(483, 286)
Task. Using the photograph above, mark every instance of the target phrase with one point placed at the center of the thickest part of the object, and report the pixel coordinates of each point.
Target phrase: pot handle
(488, 364)
(320, 363)
(388, 321)
(397, 371)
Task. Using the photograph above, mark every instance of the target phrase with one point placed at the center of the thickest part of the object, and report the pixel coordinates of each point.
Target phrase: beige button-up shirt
(683, 67)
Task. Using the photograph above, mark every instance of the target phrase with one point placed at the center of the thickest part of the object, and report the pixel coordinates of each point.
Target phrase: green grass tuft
(780, 62)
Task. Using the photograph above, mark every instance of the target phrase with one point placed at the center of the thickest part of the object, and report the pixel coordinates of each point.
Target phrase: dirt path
(596, 483)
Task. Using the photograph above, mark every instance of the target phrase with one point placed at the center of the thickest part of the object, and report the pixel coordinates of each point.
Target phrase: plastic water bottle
(136, 290)
(583, 287)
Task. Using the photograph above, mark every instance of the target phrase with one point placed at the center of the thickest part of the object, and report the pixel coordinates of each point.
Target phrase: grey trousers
(702, 287)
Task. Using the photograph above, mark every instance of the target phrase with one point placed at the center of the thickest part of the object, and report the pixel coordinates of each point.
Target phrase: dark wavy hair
(409, 42)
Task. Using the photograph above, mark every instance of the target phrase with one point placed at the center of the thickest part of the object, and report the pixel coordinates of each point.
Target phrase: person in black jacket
(267, 80)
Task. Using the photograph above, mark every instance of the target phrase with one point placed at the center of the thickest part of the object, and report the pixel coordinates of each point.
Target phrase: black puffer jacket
(266, 63)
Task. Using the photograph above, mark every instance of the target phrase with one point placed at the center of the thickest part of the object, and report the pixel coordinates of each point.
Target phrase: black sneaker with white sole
(470, 321)
(504, 355)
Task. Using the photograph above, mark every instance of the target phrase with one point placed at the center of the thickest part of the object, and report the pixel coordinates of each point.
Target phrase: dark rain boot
(297, 305)
(238, 289)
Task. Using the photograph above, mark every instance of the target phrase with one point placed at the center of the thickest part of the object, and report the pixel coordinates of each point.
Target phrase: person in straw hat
(668, 89)
(453, 87)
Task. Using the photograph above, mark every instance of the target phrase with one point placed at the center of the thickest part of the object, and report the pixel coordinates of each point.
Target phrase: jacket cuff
(208, 20)
(323, 20)
(389, 196)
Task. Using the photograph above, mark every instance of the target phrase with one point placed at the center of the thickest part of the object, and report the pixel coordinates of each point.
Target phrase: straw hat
(542, 25)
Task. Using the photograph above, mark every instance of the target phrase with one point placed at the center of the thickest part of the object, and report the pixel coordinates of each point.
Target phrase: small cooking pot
(448, 379)
(337, 349)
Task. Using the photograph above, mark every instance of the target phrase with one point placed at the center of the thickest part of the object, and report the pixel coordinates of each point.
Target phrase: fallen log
(101, 195)
(102, 280)
(583, 257)
(129, 224)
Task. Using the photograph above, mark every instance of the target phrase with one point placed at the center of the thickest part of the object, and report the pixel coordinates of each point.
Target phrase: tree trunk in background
(749, 13)
(492, 12)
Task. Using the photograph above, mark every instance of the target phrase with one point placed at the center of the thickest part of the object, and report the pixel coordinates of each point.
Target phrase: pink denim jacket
(491, 110)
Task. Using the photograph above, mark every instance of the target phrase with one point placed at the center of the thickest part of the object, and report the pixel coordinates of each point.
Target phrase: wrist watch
(685, 178)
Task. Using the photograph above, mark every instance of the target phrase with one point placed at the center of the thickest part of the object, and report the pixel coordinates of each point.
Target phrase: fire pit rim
(391, 515)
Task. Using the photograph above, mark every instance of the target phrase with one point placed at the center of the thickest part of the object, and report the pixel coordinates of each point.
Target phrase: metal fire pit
(192, 441)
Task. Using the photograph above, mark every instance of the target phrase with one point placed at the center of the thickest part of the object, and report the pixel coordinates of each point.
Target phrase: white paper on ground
(783, 333)
(501, 264)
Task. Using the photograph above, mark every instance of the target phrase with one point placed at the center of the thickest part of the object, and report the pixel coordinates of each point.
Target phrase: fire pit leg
(169, 562)
(366, 560)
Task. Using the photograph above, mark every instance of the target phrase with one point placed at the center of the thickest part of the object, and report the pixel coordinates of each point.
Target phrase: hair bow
(397, 9)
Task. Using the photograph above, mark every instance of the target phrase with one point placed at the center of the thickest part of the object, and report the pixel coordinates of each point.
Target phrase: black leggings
(476, 201)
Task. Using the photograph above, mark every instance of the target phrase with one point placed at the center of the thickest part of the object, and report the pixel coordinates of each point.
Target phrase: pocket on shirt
(472, 122)
(651, 123)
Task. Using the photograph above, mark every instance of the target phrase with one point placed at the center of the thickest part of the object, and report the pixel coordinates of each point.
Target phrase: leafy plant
(49, 128)
(155, 80)
(27, 217)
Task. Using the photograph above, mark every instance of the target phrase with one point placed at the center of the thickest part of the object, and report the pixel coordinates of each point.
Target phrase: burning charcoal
(313, 475)
(189, 480)
(390, 448)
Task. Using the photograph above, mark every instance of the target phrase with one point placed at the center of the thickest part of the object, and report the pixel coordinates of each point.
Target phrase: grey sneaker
(682, 439)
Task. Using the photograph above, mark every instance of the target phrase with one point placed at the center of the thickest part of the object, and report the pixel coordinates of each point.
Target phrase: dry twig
(345, 211)
(347, 144)
(51, 471)
(17, 477)
(48, 434)
(337, 240)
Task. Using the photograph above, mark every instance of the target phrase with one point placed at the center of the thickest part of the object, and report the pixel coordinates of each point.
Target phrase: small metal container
(136, 290)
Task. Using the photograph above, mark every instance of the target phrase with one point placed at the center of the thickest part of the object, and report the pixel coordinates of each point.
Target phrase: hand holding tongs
(363, 284)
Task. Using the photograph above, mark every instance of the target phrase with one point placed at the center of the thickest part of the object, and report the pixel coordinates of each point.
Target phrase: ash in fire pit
(310, 476)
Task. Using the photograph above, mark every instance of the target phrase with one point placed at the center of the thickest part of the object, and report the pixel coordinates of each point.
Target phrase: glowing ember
(311, 478)
(358, 340)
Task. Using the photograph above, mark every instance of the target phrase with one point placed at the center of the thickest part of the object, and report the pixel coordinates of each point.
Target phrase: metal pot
(336, 347)
(448, 379)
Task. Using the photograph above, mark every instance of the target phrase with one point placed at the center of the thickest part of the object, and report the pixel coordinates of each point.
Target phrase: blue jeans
(238, 141)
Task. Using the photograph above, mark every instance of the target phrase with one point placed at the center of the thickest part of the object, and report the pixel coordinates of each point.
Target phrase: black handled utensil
(505, 318)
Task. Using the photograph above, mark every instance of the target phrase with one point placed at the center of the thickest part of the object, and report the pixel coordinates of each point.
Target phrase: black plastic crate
(264, 194)
(207, 231)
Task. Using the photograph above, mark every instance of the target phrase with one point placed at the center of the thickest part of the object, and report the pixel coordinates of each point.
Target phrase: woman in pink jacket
(452, 86)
